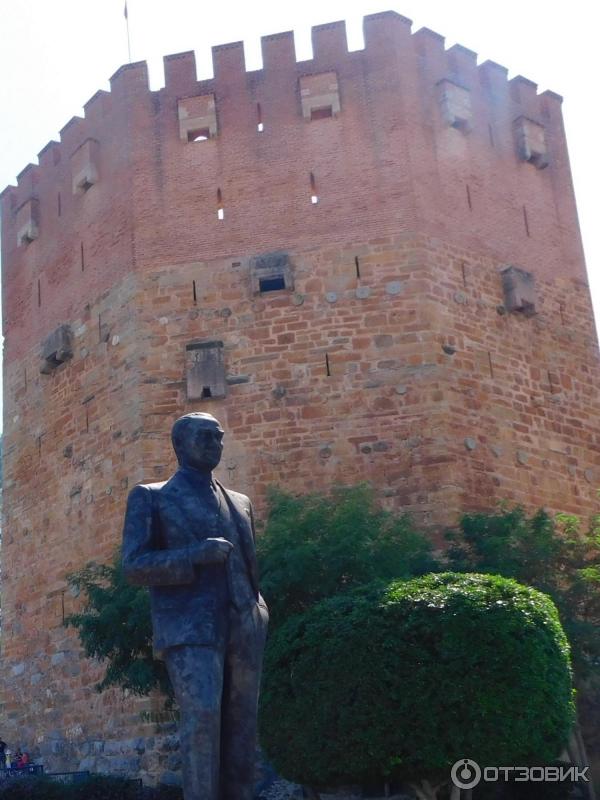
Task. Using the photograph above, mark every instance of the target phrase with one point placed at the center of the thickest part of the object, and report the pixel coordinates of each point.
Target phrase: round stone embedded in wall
(362, 292)
(164, 320)
(331, 297)
(496, 450)
(522, 457)
(393, 287)
(460, 298)
(589, 475)
(115, 341)
(401, 389)
(470, 443)
(325, 452)
(297, 299)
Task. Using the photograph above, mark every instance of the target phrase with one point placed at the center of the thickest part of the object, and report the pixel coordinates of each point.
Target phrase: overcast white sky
(55, 54)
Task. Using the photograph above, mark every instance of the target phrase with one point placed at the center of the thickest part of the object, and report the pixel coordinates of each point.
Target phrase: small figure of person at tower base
(191, 541)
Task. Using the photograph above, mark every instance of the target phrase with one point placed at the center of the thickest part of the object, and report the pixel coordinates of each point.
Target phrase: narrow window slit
(357, 265)
(491, 364)
(82, 258)
(463, 269)
(220, 209)
(327, 366)
(58, 204)
(194, 291)
(259, 122)
(526, 221)
(314, 197)
(469, 203)
(561, 310)
(39, 293)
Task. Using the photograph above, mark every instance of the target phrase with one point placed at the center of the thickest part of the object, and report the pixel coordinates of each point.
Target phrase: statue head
(198, 441)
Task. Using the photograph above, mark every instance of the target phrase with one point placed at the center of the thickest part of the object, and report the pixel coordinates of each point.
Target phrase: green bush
(115, 627)
(399, 681)
(315, 546)
(554, 554)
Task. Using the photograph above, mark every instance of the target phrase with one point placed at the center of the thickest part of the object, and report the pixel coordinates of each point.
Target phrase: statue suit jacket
(189, 602)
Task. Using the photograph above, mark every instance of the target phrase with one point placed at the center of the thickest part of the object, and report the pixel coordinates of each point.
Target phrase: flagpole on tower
(126, 14)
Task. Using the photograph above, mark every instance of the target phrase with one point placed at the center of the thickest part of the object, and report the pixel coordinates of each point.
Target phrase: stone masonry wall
(392, 359)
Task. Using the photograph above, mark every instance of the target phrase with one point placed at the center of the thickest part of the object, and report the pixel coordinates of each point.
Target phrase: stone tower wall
(394, 357)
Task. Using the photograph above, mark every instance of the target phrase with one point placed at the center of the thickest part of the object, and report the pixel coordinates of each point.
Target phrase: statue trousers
(216, 688)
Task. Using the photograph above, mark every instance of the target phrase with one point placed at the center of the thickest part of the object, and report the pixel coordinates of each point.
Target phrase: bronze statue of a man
(191, 541)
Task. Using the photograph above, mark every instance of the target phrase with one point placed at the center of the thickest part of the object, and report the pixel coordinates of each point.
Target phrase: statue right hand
(211, 551)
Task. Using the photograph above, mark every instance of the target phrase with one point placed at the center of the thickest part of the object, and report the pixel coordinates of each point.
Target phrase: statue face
(201, 446)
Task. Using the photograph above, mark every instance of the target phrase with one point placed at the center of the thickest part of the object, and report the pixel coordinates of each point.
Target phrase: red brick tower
(367, 265)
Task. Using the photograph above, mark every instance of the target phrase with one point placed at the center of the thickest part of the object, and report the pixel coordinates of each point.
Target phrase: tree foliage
(115, 628)
(554, 554)
(402, 680)
(315, 546)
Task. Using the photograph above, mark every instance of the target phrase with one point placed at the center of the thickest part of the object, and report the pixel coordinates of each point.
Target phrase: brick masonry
(392, 359)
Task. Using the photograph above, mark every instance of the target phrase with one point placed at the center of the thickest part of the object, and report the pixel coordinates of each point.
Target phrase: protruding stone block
(28, 222)
(197, 118)
(531, 142)
(455, 104)
(320, 95)
(56, 349)
(84, 166)
(205, 371)
(519, 290)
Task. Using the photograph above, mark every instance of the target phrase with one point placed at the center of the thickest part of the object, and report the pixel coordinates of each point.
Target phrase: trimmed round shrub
(400, 681)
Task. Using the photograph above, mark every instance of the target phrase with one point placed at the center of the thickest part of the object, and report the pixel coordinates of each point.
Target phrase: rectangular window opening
(259, 123)
(206, 392)
(220, 213)
(314, 199)
(195, 296)
(271, 284)
(321, 113)
(357, 265)
(327, 366)
(198, 135)
(220, 209)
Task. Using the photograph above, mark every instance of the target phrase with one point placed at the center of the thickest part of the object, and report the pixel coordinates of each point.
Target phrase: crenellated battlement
(330, 46)
(335, 132)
